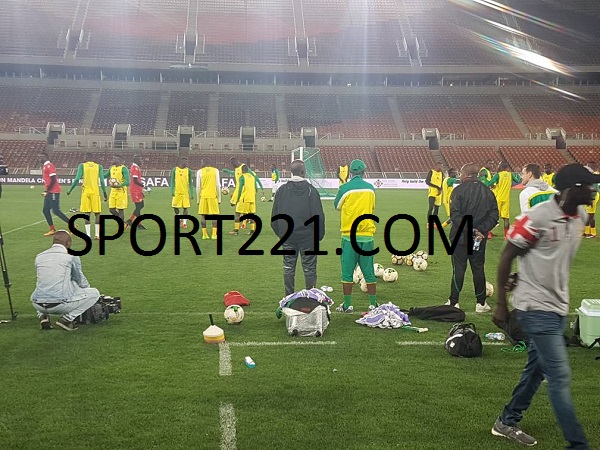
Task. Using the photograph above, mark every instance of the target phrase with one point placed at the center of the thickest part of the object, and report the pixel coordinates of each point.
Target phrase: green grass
(145, 379)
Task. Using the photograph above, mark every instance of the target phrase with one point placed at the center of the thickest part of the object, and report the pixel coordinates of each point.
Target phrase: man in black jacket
(471, 198)
(299, 201)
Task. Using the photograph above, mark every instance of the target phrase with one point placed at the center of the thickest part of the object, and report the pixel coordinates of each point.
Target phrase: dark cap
(357, 166)
(574, 175)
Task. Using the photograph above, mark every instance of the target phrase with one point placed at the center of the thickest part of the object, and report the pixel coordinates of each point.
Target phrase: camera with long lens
(101, 310)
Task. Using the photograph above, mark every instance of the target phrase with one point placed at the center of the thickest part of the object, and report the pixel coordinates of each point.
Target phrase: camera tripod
(13, 313)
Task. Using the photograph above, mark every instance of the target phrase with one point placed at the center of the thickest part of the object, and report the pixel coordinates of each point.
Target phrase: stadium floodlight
(185, 135)
(558, 135)
(309, 136)
(53, 130)
(247, 136)
(432, 135)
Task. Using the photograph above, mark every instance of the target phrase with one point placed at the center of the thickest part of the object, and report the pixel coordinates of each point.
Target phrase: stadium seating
(137, 108)
(333, 157)
(21, 154)
(456, 157)
(134, 30)
(35, 107)
(188, 108)
(584, 155)
(546, 111)
(474, 116)
(404, 159)
(518, 157)
(257, 161)
(258, 110)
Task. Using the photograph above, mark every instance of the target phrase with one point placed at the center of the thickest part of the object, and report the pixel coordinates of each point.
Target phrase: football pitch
(145, 379)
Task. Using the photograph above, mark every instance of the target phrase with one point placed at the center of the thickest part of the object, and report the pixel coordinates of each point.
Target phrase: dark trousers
(309, 266)
(432, 210)
(459, 266)
(52, 203)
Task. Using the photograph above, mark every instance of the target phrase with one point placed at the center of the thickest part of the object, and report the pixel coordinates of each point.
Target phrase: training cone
(213, 334)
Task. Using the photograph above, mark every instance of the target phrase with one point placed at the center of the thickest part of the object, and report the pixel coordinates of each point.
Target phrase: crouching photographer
(61, 287)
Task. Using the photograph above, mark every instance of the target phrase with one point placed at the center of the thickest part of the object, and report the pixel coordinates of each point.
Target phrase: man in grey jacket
(61, 285)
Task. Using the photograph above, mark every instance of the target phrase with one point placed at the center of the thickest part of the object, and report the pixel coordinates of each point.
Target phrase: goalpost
(315, 169)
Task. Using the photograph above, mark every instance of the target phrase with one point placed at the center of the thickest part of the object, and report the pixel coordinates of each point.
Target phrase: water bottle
(495, 336)
(250, 364)
(476, 243)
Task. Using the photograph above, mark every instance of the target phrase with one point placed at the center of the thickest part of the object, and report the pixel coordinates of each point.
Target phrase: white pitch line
(410, 343)
(23, 227)
(276, 343)
(228, 424)
(224, 360)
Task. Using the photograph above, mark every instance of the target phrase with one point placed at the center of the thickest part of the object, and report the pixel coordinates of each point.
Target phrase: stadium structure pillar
(558, 135)
(247, 136)
(309, 136)
(184, 135)
(432, 136)
(53, 131)
(121, 133)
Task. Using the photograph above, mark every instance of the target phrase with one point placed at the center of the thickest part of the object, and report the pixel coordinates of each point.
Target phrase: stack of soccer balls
(417, 260)
(388, 275)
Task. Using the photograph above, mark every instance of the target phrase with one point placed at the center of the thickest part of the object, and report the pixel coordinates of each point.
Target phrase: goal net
(315, 169)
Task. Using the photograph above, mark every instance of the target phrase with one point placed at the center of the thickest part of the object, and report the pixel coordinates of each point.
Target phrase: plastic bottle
(495, 336)
(250, 364)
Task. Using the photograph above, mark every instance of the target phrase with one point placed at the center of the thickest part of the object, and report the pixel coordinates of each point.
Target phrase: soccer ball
(424, 256)
(420, 264)
(234, 314)
(263, 199)
(410, 260)
(419, 254)
(113, 182)
(32, 187)
(225, 190)
(148, 189)
(363, 285)
(395, 259)
(489, 289)
(358, 275)
(390, 275)
(378, 269)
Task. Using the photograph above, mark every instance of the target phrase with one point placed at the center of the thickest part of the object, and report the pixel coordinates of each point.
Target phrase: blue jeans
(547, 355)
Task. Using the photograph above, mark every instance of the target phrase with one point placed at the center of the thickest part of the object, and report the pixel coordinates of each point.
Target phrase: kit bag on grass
(306, 317)
(443, 313)
(464, 341)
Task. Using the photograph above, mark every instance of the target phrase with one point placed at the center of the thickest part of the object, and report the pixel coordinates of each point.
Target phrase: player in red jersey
(51, 193)
(136, 189)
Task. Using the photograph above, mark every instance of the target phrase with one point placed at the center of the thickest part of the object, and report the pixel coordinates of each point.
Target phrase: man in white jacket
(535, 189)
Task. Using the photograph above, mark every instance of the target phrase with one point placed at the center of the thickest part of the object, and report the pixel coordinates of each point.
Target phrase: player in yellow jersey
(182, 188)
(237, 174)
(208, 185)
(117, 201)
(447, 187)
(504, 180)
(590, 226)
(548, 176)
(434, 193)
(92, 175)
(246, 202)
(343, 174)
(486, 172)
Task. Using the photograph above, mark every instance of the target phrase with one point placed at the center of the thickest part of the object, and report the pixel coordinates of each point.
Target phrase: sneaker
(591, 236)
(45, 323)
(372, 307)
(50, 233)
(348, 310)
(513, 433)
(482, 308)
(65, 324)
(96, 238)
(449, 303)
(204, 238)
(234, 232)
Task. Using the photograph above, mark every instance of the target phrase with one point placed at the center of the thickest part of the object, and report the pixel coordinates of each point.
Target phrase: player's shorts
(208, 206)
(503, 209)
(591, 209)
(438, 199)
(90, 203)
(137, 197)
(181, 201)
(245, 208)
(117, 199)
(350, 258)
